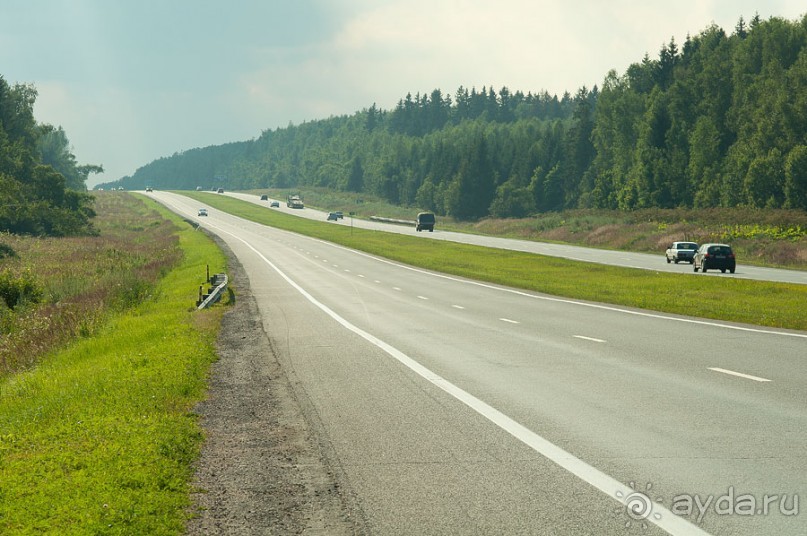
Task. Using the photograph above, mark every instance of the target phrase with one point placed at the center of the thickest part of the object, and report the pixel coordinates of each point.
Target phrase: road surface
(644, 261)
(455, 407)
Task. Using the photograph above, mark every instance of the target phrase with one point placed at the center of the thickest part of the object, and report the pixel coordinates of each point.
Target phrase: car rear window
(720, 250)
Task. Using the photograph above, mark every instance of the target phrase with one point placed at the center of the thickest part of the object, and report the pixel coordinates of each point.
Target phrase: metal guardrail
(218, 284)
(411, 223)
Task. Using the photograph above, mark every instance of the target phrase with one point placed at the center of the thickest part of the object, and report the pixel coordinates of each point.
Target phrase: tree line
(719, 121)
(42, 187)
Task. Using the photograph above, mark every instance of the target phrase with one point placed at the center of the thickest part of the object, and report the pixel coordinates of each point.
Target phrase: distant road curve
(644, 261)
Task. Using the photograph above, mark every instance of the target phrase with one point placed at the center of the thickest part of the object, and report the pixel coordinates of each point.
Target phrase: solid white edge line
(659, 515)
(739, 374)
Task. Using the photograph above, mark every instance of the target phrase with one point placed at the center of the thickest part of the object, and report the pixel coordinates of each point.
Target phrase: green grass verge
(739, 300)
(100, 437)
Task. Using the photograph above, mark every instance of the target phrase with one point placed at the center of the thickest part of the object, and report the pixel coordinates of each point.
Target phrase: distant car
(681, 251)
(220, 191)
(333, 216)
(274, 204)
(714, 257)
(425, 222)
(202, 212)
(148, 189)
(198, 188)
(264, 197)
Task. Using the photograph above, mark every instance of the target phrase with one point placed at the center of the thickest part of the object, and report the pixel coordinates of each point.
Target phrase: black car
(264, 197)
(714, 257)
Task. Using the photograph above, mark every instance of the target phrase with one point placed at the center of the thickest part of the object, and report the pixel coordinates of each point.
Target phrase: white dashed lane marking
(588, 338)
(739, 374)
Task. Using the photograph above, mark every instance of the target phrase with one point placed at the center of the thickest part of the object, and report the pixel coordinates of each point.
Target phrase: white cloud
(101, 125)
(125, 99)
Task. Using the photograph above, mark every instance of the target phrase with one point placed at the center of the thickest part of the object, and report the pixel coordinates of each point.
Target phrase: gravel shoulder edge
(266, 466)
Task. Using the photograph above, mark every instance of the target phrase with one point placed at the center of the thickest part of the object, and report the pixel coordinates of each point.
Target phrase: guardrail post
(219, 282)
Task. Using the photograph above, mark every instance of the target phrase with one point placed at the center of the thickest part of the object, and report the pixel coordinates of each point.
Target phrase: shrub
(17, 289)
(7, 251)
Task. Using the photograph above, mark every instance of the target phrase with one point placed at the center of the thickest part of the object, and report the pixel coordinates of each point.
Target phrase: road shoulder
(261, 470)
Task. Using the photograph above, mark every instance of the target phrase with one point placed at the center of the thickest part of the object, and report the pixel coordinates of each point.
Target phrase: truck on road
(425, 222)
(294, 201)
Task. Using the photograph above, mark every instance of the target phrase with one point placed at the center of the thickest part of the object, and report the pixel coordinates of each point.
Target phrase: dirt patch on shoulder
(261, 470)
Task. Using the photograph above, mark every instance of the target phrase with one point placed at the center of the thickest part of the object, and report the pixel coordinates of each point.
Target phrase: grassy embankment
(754, 302)
(97, 434)
(764, 237)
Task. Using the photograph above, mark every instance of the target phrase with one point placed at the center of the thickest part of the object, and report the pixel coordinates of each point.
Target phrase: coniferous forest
(717, 121)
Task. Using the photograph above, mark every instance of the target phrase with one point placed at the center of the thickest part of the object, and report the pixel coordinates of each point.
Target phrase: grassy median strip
(99, 437)
(738, 300)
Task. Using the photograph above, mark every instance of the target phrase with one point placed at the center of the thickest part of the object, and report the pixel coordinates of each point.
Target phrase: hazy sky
(133, 80)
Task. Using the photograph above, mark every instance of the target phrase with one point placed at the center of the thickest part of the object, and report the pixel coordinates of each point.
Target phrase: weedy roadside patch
(54, 289)
(97, 436)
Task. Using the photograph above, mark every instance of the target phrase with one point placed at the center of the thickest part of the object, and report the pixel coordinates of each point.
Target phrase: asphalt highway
(644, 261)
(456, 407)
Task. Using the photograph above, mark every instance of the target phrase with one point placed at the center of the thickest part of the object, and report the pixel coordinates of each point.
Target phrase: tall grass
(99, 437)
(82, 278)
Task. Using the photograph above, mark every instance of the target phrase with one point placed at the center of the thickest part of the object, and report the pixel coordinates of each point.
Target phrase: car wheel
(722, 270)
(731, 270)
(703, 268)
(695, 268)
(691, 261)
(668, 260)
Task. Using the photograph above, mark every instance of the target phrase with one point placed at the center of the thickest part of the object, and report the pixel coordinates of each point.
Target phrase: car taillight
(731, 255)
(705, 255)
